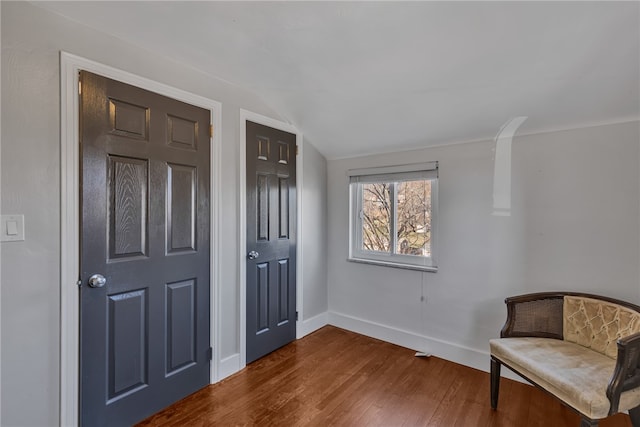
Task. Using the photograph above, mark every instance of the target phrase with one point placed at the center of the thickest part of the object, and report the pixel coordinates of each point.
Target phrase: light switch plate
(11, 228)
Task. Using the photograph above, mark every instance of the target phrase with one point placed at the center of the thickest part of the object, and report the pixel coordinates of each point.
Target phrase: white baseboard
(229, 366)
(311, 325)
(467, 356)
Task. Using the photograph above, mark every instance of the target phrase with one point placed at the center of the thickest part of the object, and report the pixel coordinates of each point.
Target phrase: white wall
(30, 177)
(574, 225)
(314, 244)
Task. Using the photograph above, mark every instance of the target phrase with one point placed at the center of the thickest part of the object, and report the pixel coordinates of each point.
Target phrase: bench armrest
(626, 374)
(534, 315)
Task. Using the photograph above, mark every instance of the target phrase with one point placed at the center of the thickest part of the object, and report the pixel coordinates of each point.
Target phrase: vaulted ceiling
(364, 77)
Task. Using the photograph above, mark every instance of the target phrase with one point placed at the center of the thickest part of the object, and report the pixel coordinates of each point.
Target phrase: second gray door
(271, 239)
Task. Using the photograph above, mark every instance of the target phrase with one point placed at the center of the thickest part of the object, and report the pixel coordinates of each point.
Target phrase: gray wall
(314, 244)
(30, 177)
(574, 225)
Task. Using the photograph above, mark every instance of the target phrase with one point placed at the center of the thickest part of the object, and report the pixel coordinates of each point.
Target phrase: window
(393, 215)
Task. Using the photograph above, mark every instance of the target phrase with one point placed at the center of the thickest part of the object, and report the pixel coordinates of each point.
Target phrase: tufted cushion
(573, 373)
(597, 324)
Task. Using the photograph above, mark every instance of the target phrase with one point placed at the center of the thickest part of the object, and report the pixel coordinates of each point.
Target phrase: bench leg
(495, 383)
(634, 414)
(587, 422)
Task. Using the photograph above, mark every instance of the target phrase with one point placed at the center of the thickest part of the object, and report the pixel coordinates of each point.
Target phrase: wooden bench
(583, 349)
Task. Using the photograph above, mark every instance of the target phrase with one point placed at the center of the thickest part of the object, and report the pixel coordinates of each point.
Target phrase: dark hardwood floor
(336, 377)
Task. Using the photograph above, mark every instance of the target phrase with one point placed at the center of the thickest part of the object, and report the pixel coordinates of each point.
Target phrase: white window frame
(391, 174)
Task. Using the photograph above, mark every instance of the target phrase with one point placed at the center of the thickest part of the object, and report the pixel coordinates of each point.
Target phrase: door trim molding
(70, 65)
(245, 116)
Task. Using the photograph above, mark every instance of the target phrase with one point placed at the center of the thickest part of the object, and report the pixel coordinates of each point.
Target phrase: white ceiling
(365, 77)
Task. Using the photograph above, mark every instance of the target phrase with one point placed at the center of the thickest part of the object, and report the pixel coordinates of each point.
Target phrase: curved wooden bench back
(542, 314)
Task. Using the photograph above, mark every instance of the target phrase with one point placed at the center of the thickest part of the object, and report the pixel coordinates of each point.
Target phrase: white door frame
(245, 116)
(70, 66)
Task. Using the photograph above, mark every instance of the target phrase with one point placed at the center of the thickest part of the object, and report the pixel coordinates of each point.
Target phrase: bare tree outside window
(376, 217)
(414, 218)
(412, 203)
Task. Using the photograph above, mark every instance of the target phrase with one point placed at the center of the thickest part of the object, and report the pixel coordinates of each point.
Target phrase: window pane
(414, 218)
(376, 217)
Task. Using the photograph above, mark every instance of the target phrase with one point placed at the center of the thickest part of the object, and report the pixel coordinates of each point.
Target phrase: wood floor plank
(513, 404)
(338, 378)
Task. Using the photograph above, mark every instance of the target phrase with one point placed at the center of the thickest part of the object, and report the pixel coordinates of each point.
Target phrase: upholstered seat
(583, 349)
(576, 375)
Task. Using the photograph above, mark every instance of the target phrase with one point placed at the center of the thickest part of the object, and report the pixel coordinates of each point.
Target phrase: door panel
(181, 208)
(262, 297)
(181, 322)
(263, 207)
(127, 348)
(283, 211)
(128, 219)
(283, 291)
(144, 335)
(271, 233)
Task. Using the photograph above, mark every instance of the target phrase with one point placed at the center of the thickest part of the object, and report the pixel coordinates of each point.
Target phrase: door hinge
(79, 87)
(297, 316)
(79, 283)
(297, 152)
(210, 131)
(210, 353)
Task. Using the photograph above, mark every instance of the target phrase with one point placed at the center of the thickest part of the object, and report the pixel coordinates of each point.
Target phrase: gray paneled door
(144, 328)
(271, 239)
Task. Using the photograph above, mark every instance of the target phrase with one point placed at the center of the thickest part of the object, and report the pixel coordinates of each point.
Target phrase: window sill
(430, 269)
